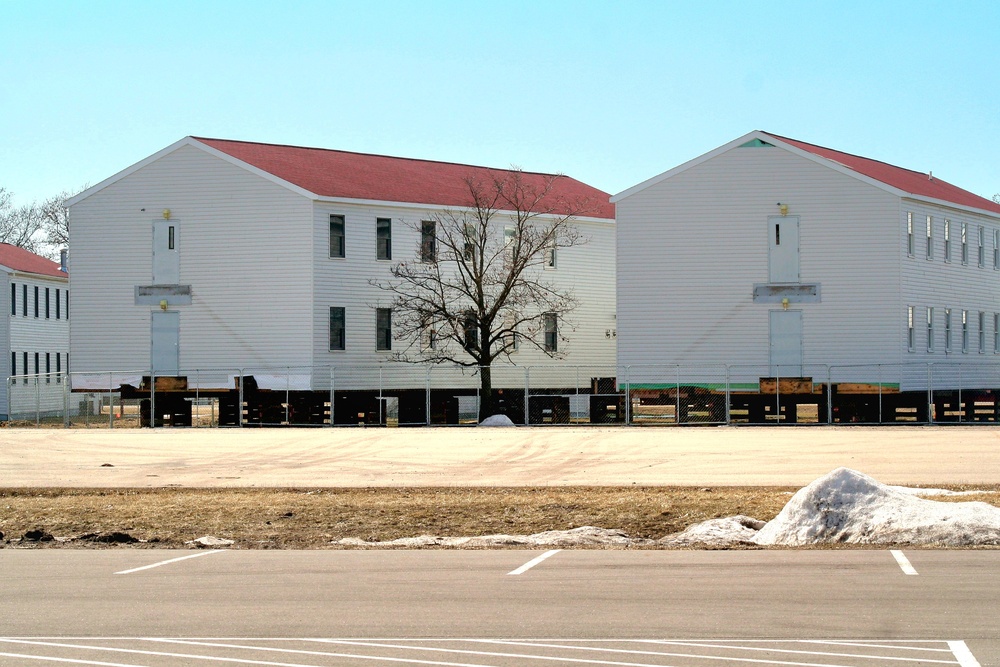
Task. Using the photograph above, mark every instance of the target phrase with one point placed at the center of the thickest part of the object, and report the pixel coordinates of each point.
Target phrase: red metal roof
(332, 173)
(912, 182)
(19, 259)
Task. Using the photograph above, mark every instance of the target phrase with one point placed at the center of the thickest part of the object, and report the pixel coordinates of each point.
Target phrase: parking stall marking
(490, 652)
(534, 561)
(904, 562)
(172, 560)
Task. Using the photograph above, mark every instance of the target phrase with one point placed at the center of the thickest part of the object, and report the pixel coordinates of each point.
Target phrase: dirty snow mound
(848, 506)
(725, 532)
(583, 536)
(497, 420)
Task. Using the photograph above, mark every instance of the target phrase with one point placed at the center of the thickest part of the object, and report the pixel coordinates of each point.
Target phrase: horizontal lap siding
(245, 249)
(588, 270)
(691, 247)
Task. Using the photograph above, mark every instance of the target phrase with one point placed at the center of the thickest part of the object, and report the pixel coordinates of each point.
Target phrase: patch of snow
(848, 506)
(723, 532)
(497, 420)
(210, 541)
(936, 492)
(576, 537)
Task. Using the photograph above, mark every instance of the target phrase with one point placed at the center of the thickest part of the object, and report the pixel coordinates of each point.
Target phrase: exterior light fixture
(166, 214)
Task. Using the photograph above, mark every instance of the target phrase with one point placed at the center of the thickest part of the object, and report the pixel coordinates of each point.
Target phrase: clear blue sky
(611, 93)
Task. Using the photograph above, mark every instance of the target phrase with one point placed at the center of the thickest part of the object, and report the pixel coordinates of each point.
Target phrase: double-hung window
(383, 238)
(551, 325)
(383, 329)
(982, 252)
(947, 240)
(909, 234)
(930, 237)
(13, 301)
(428, 241)
(338, 237)
(982, 332)
(965, 332)
(996, 249)
(996, 333)
(965, 242)
(910, 342)
(338, 328)
(47, 311)
(930, 329)
(947, 330)
(36, 300)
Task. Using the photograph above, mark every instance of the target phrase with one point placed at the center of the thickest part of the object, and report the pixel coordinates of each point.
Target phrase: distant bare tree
(56, 219)
(20, 225)
(996, 197)
(477, 289)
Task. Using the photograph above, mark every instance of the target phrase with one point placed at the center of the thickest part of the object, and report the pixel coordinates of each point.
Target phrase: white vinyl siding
(246, 248)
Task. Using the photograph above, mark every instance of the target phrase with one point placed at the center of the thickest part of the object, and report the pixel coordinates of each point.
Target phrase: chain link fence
(419, 395)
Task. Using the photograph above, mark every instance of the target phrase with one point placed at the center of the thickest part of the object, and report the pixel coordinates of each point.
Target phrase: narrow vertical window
(37, 367)
(46, 303)
(67, 317)
(36, 300)
(170, 237)
(383, 329)
(996, 249)
(13, 365)
(470, 333)
(965, 332)
(58, 299)
(338, 245)
(58, 366)
(947, 240)
(338, 328)
(551, 332)
(982, 253)
(24, 300)
(930, 237)
(947, 330)
(996, 333)
(550, 257)
(909, 234)
(13, 299)
(965, 242)
(909, 329)
(48, 367)
(471, 237)
(383, 238)
(428, 241)
(982, 332)
(24, 368)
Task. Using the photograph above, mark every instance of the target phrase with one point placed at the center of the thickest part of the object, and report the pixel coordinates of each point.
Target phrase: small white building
(778, 257)
(35, 333)
(213, 257)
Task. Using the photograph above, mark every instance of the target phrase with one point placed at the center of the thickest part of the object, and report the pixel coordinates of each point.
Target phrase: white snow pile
(576, 537)
(848, 506)
(497, 420)
(844, 506)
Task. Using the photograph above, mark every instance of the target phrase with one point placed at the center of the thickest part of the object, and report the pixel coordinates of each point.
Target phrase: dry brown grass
(312, 518)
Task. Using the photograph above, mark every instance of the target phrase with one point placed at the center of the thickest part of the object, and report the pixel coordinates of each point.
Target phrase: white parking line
(75, 662)
(904, 563)
(534, 561)
(172, 560)
(963, 654)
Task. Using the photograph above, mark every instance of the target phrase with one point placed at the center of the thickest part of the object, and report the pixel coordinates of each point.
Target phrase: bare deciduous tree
(20, 225)
(477, 289)
(55, 219)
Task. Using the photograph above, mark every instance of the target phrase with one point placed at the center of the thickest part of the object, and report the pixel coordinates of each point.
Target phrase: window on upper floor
(383, 238)
(36, 300)
(338, 236)
(909, 234)
(338, 328)
(47, 311)
(13, 300)
(24, 302)
(947, 240)
(58, 299)
(930, 237)
(965, 242)
(996, 249)
(428, 241)
(981, 256)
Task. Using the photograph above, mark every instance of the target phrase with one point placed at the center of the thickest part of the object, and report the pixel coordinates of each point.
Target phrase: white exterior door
(783, 249)
(786, 343)
(166, 257)
(166, 339)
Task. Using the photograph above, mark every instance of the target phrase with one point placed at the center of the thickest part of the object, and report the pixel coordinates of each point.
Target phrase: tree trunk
(485, 392)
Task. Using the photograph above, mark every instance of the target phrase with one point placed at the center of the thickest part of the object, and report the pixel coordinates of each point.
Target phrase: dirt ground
(299, 488)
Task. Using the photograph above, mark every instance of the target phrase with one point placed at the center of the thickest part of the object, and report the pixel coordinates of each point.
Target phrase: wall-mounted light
(783, 208)
(166, 214)
(784, 303)
(163, 304)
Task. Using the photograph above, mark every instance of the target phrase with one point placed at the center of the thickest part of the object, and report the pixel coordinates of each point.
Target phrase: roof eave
(952, 205)
(440, 207)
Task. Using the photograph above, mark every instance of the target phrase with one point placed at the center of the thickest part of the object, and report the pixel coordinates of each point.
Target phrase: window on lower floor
(383, 329)
(910, 342)
(551, 325)
(982, 332)
(930, 329)
(965, 331)
(338, 328)
(947, 329)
